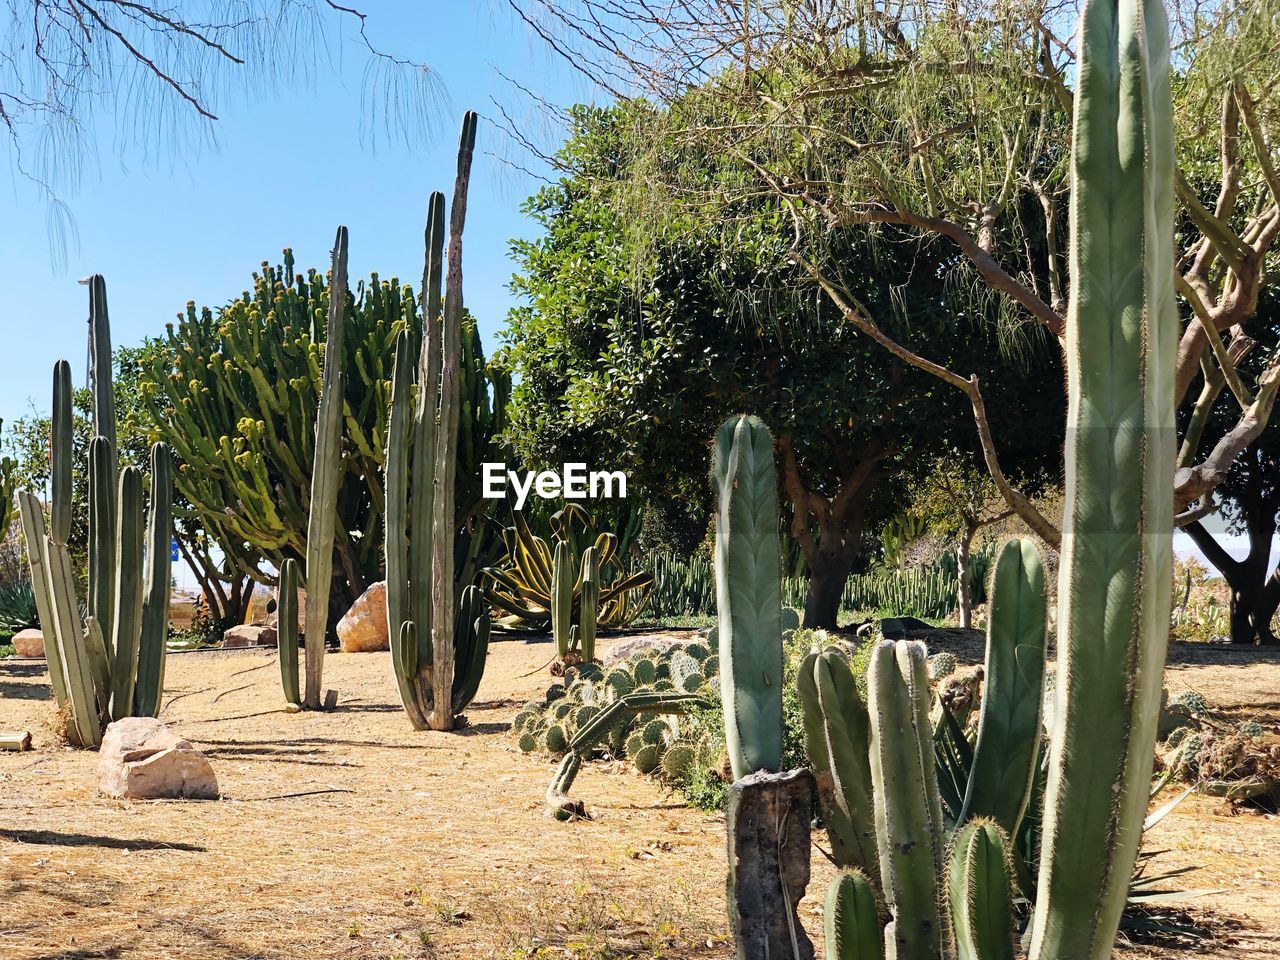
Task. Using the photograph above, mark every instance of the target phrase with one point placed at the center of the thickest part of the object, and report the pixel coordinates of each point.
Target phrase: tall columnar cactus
(588, 603)
(287, 632)
(237, 391)
(1114, 593)
(767, 817)
(438, 655)
(562, 582)
(838, 742)
(749, 594)
(111, 665)
(325, 479)
(908, 808)
(1007, 752)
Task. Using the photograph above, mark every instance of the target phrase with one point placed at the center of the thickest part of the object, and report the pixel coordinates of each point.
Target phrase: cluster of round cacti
(1183, 712)
(654, 744)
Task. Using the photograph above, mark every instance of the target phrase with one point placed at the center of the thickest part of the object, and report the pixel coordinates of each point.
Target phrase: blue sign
(173, 550)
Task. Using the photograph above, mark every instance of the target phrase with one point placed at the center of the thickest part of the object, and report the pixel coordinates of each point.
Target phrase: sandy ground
(346, 834)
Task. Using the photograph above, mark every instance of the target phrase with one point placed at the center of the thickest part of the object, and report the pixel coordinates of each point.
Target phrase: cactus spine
(438, 664)
(749, 595)
(884, 759)
(325, 478)
(112, 665)
(287, 632)
(1115, 582)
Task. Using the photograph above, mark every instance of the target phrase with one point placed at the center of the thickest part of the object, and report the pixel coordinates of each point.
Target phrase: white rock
(142, 759)
(248, 635)
(28, 643)
(363, 628)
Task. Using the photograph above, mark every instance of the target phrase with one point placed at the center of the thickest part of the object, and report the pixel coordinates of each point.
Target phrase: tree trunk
(829, 551)
(828, 573)
(1254, 596)
(963, 600)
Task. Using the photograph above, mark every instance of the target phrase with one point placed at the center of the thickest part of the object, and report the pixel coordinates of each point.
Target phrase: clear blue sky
(286, 171)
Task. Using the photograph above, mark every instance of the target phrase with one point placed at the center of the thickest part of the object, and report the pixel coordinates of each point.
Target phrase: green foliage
(632, 349)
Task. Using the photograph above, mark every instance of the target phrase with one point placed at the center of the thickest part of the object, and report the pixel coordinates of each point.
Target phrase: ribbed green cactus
(851, 919)
(901, 747)
(589, 602)
(1115, 586)
(438, 668)
(562, 579)
(325, 479)
(748, 594)
(287, 632)
(8, 487)
(838, 741)
(112, 665)
(908, 809)
(978, 893)
(236, 392)
(1009, 725)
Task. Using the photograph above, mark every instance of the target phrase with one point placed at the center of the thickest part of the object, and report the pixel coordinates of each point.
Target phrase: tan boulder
(248, 635)
(28, 643)
(363, 628)
(142, 759)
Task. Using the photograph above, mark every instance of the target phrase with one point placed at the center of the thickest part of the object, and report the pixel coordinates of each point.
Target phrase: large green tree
(630, 351)
(952, 121)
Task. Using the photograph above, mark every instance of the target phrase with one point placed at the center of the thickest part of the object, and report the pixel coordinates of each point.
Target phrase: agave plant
(524, 585)
(18, 606)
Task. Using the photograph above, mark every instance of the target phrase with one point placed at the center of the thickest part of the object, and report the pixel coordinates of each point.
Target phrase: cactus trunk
(325, 477)
(155, 604)
(1115, 582)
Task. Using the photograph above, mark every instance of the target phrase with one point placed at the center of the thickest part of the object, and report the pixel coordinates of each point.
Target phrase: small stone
(142, 759)
(363, 628)
(248, 635)
(28, 643)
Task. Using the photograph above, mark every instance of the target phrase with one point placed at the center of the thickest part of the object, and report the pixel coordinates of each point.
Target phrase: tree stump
(768, 833)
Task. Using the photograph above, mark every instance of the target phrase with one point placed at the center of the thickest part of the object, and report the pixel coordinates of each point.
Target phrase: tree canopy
(629, 351)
